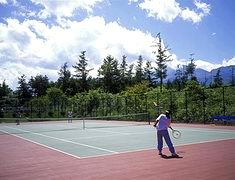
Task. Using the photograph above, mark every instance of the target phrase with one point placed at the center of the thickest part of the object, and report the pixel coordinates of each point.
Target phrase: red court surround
(22, 160)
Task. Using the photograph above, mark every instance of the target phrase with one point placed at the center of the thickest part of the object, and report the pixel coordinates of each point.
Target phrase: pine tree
(110, 75)
(64, 80)
(232, 78)
(161, 59)
(179, 80)
(123, 73)
(82, 71)
(130, 77)
(23, 90)
(218, 80)
(39, 85)
(148, 73)
(139, 74)
(4, 89)
(190, 68)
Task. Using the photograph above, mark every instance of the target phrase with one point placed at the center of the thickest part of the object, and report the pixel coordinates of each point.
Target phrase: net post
(83, 123)
(223, 101)
(148, 117)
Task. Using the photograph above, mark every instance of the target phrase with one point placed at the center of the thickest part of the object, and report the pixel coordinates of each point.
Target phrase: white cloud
(65, 8)
(206, 65)
(10, 71)
(189, 15)
(166, 10)
(169, 10)
(202, 64)
(33, 44)
(21, 44)
(3, 1)
(209, 66)
(193, 16)
(22, 10)
(132, 1)
(31, 47)
(203, 6)
(229, 62)
(175, 62)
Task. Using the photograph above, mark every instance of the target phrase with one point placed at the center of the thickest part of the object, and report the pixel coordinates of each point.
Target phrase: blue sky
(39, 36)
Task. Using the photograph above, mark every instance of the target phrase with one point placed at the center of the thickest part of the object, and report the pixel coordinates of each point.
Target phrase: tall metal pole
(204, 106)
(223, 103)
(186, 106)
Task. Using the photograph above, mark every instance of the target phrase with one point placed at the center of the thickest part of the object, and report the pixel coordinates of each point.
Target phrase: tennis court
(112, 150)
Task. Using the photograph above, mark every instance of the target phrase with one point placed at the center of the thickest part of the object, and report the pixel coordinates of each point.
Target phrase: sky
(38, 36)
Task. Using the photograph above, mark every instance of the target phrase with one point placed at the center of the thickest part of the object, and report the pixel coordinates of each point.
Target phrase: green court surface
(73, 140)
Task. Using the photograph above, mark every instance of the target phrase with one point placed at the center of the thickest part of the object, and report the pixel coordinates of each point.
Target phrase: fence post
(204, 106)
(135, 104)
(146, 108)
(103, 105)
(171, 103)
(31, 109)
(58, 109)
(126, 104)
(96, 107)
(118, 105)
(223, 102)
(186, 106)
(146, 103)
(172, 109)
(158, 100)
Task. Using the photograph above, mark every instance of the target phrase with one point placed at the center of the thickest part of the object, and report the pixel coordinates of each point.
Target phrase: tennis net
(116, 121)
(30, 125)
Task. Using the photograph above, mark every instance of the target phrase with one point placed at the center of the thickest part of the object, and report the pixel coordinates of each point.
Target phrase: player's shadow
(170, 157)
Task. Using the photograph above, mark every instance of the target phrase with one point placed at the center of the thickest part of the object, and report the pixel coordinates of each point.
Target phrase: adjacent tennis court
(36, 149)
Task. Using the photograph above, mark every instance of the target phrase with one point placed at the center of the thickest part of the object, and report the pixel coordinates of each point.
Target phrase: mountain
(206, 77)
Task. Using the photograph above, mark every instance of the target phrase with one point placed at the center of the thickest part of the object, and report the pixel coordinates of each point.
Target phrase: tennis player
(162, 124)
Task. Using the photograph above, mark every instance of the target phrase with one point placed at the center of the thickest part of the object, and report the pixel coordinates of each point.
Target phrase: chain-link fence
(185, 106)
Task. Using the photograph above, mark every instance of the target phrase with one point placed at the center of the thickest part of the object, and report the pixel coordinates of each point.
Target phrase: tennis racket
(175, 133)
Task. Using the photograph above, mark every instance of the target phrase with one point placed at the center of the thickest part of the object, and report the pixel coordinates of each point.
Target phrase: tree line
(113, 77)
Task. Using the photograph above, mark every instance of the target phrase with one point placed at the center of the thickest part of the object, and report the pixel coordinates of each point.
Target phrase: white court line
(92, 137)
(208, 130)
(144, 149)
(114, 132)
(112, 135)
(41, 144)
(147, 149)
(64, 140)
